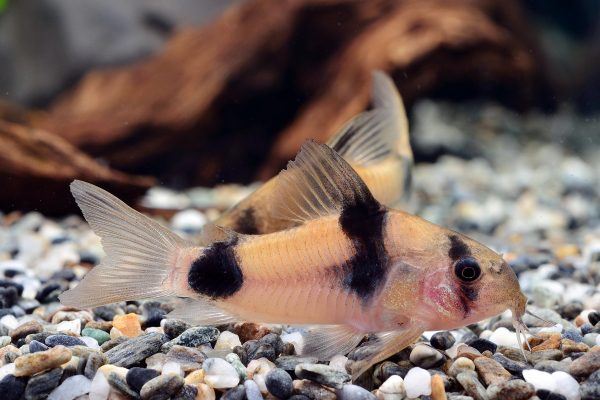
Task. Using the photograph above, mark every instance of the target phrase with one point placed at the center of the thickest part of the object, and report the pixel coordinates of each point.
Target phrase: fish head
(468, 282)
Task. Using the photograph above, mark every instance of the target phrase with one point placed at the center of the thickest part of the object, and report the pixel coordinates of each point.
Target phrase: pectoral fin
(326, 341)
(385, 345)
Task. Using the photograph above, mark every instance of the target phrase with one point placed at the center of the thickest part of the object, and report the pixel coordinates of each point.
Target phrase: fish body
(375, 144)
(349, 266)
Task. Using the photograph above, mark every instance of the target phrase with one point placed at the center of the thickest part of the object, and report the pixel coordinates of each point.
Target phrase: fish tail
(141, 254)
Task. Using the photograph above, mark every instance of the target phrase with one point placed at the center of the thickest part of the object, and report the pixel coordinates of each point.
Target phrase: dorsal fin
(376, 134)
(318, 183)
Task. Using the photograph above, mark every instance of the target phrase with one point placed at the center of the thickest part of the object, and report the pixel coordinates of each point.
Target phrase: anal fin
(201, 312)
(326, 341)
(385, 345)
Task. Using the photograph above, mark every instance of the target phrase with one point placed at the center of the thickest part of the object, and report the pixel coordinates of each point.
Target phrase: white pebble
(539, 379)
(156, 361)
(352, 392)
(9, 321)
(227, 341)
(566, 385)
(392, 389)
(504, 337)
(552, 329)
(417, 383)
(338, 362)
(71, 388)
(69, 326)
(219, 374)
(100, 388)
(90, 342)
(8, 369)
(188, 220)
(172, 367)
(258, 370)
(294, 338)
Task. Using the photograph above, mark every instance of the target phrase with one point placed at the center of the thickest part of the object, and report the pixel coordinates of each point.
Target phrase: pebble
(135, 350)
(194, 337)
(566, 385)
(162, 387)
(438, 391)
(98, 334)
(279, 383)
(235, 361)
(71, 388)
(174, 327)
(252, 390)
(219, 374)
(258, 371)
(195, 377)
(94, 361)
(585, 365)
(12, 388)
(205, 392)
(188, 358)
(136, 377)
(461, 364)
(100, 388)
(35, 346)
(354, 392)
(63, 340)
(491, 371)
(25, 329)
(392, 389)
(539, 379)
(417, 382)
(442, 340)
(482, 345)
(511, 390)
(289, 363)
(425, 356)
(69, 327)
(322, 374)
(30, 364)
(313, 390)
(40, 386)
(472, 386)
(227, 341)
(128, 324)
(504, 337)
(117, 381)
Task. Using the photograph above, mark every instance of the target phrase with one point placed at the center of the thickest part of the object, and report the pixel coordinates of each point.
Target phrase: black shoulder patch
(216, 273)
(364, 223)
(246, 222)
(458, 248)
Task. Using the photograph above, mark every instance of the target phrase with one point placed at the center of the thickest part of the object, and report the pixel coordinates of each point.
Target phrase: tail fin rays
(139, 252)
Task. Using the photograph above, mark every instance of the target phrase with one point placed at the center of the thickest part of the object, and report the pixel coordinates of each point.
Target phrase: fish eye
(467, 269)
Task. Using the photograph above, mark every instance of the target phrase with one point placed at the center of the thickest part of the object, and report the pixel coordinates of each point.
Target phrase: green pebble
(97, 334)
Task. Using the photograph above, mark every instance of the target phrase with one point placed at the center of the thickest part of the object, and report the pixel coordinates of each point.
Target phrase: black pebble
(8, 296)
(594, 317)
(279, 383)
(35, 346)
(442, 340)
(274, 340)
(175, 327)
(482, 345)
(40, 386)
(187, 392)
(8, 283)
(50, 292)
(12, 388)
(64, 340)
(586, 328)
(66, 274)
(299, 397)
(544, 394)
(106, 313)
(236, 393)
(137, 377)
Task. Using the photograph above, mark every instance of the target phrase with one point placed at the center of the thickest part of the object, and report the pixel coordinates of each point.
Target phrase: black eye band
(467, 269)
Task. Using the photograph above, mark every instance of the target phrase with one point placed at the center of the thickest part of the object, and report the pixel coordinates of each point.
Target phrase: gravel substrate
(535, 200)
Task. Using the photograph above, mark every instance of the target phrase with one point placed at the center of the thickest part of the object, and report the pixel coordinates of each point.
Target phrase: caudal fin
(139, 252)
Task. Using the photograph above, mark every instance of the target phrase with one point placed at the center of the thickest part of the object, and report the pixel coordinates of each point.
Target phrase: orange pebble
(128, 324)
(437, 388)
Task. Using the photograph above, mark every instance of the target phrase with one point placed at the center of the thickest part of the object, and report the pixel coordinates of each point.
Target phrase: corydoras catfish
(350, 267)
(375, 143)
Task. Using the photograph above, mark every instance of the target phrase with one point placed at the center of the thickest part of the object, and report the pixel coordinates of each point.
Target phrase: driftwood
(36, 168)
(234, 101)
